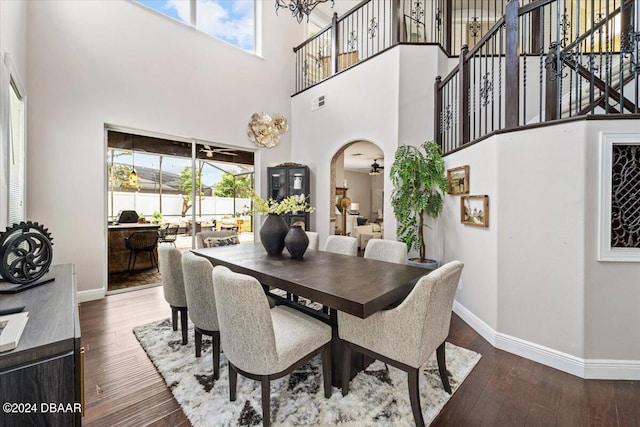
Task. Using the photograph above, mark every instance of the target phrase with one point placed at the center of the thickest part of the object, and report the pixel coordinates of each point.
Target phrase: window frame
(605, 251)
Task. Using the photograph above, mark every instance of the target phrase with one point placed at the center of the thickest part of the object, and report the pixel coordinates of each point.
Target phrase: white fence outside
(148, 203)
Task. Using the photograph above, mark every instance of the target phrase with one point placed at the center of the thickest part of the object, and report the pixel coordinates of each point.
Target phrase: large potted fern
(419, 185)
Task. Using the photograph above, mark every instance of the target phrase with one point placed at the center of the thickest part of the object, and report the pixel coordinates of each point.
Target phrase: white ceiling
(359, 156)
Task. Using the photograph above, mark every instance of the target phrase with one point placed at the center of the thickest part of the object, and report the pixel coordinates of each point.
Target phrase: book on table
(11, 327)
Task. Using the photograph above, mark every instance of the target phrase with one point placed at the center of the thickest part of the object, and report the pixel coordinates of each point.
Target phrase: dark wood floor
(123, 388)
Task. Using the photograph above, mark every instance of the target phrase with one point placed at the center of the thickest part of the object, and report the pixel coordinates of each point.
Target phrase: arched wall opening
(354, 176)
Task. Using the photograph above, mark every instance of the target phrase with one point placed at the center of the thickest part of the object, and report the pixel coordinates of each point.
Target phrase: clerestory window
(233, 21)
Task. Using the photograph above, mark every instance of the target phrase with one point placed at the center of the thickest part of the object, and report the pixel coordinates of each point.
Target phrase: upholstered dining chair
(314, 240)
(345, 245)
(386, 250)
(264, 344)
(408, 334)
(201, 303)
(173, 286)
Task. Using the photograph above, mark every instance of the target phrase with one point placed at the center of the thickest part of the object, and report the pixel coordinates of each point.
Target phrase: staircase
(546, 61)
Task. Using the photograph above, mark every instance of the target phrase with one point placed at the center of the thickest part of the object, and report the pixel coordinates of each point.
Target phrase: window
(12, 144)
(619, 215)
(230, 20)
(16, 156)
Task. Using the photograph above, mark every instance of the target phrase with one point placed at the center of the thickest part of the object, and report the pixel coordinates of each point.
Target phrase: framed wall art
(474, 210)
(458, 180)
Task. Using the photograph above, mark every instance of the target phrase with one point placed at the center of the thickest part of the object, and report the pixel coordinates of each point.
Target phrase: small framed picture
(458, 180)
(474, 210)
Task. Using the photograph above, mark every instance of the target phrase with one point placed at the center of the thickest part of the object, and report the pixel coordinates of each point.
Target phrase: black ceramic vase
(272, 234)
(296, 241)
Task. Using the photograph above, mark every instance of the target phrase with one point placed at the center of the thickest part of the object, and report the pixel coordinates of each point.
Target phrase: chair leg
(174, 318)
(233, 382)
(183, 322)
(346, 367)
(326, 369)
(266, 401)
(216, 355)
(198, 340)
(129, 263)
(154, 260)
(414, 396)
(442, 367)
(133, 267)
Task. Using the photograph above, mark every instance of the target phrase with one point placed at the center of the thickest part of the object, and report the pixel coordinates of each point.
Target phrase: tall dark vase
(296, 241)
(272, 234)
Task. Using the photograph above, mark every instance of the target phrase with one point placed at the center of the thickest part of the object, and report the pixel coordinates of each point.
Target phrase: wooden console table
(42, 376)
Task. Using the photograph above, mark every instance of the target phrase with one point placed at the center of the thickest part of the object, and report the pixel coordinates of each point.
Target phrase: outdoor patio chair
(141, 241)
(168, 234)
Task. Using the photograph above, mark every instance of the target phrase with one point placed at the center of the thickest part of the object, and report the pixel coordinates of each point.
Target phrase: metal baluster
(524, 31)
(541, 69)
(500, 78)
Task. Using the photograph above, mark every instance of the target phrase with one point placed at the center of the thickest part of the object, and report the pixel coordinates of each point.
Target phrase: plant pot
(296, 241)
(430, 264)
(272, 234)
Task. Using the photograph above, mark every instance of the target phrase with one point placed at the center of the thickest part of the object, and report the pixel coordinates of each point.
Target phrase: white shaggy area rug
(377, 396)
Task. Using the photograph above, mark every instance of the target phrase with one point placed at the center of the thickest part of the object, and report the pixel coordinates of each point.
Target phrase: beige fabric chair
(265, 344)
(408, 334)
(314, 240)
(205, 234)
(344, 245)
(201, 303)
(170, 265)
(386, 250)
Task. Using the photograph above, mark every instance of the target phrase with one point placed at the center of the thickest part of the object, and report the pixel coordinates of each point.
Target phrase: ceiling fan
(376, 169)
(209, 151)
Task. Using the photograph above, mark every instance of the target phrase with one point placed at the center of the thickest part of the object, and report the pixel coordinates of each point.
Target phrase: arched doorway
(354, 175)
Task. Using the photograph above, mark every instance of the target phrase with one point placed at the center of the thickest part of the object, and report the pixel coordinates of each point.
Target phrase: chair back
(170, 233)
(386, 250)
(198, 287)
(201, 236)
(141, 240)
(432, 301)
(314, 240)
(246, 328)
(344, 245)
(170, 265)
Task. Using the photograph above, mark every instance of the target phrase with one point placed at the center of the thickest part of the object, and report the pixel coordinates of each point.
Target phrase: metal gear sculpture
(25, 252)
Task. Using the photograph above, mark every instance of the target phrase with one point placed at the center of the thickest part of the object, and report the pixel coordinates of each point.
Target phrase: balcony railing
(544, 61)
(376, 25)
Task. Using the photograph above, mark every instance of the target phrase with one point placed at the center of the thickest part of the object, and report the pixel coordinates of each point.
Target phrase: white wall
(612, 289)
(13, 33)
(384, 101)
(477, 247)
(531, 282)
(360, 191)
(361, 104)
(116, 62)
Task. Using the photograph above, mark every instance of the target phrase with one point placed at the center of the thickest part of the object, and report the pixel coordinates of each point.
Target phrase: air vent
(318, 102)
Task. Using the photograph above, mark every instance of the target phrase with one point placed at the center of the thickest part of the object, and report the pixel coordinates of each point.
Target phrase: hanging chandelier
(300, 8)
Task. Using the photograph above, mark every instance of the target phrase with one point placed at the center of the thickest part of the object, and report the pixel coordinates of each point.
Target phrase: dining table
(354, 285)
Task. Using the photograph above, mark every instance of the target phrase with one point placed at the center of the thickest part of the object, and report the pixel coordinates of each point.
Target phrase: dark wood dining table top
(354, 285)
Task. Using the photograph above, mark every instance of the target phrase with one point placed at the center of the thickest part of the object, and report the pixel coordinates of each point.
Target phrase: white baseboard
(584, 368)
(486, 331)
(541, 354)
(90, 295)
(602, 369)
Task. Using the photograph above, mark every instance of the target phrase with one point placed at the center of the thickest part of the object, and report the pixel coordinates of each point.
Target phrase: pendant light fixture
(134, 181)
(300, 8)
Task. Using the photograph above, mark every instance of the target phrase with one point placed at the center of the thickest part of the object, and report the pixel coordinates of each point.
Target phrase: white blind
(16, 158)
